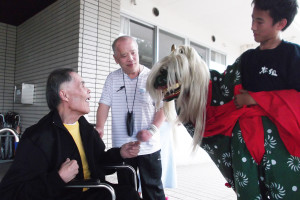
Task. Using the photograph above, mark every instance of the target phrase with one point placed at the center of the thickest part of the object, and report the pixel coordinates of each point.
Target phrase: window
(202, 51)
(145, 38)
(217, 61)
(154, 44)
(166, 40)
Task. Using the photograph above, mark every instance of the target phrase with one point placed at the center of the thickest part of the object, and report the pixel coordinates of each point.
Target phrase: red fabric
(282, 107)
(253, 132)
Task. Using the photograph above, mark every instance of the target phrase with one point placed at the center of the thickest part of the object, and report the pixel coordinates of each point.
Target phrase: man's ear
(281, 24)
(63, 95)
(116, 60)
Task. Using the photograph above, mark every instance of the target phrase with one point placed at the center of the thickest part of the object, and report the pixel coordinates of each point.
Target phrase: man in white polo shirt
(134, 116)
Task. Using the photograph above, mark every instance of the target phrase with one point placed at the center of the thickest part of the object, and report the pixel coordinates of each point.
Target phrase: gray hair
(55, 79)
(123, 37)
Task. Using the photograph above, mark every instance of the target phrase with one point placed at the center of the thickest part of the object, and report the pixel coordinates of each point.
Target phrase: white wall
(99, 26)
(176, 24)
(75, 34)
(47, 41)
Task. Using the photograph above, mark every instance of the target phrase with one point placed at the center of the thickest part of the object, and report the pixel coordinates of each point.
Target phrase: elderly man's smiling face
(127, 55)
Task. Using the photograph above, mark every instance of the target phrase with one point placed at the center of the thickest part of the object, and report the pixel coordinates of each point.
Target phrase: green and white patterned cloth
(277, 176)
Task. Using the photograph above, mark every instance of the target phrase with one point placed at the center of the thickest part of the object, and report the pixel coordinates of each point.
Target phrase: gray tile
(200, 182)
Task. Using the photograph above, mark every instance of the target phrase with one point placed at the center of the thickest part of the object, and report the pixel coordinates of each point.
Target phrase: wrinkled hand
(243, 99)
(68, 170)
(144, 135)
(130, 149)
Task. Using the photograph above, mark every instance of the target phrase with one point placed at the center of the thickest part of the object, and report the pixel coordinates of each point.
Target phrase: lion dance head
(184, 77)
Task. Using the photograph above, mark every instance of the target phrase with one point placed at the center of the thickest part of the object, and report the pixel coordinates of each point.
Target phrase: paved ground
(200, 182)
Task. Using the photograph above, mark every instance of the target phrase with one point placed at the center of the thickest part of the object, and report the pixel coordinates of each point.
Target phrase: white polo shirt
(113, 95)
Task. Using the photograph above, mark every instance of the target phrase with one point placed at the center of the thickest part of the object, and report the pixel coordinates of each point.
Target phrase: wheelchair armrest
(91, 183)
(123, 166)
(75, 183)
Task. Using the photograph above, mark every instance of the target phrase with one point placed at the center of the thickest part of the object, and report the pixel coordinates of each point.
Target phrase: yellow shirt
(74, 131)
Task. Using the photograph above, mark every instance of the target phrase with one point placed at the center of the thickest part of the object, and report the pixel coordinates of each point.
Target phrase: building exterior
(75, 34)
(79, 34)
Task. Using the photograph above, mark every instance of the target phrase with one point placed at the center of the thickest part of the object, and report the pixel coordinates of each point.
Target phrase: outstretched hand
(243, 99)
(68, 170)
(130, 149)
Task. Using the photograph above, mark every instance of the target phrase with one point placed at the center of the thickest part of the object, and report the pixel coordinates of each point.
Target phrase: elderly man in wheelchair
(63, 148)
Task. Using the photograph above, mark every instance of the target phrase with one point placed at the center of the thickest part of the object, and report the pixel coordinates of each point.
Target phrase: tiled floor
(200, 181)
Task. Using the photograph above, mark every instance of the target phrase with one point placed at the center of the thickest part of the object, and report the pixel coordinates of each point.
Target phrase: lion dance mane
(182, 77)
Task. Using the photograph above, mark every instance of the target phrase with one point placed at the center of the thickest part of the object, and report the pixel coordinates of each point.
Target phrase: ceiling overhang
(15, 12)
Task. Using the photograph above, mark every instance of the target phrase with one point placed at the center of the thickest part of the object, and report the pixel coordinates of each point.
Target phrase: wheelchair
(98, 184)
(92, 183)
(9, 135)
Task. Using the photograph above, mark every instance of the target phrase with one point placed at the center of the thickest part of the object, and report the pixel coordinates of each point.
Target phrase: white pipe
(11, 131)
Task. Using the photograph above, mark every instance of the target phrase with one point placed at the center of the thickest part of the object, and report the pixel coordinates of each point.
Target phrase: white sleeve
(106, 96)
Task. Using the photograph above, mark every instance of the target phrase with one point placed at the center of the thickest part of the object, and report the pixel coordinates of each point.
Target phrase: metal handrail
(125, 166)
(12, 131)
(96, 184)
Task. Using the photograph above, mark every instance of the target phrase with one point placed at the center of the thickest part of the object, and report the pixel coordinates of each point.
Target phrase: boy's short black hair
(278, 9)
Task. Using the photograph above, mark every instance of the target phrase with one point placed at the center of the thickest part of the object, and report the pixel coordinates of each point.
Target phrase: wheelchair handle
(12, 131)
